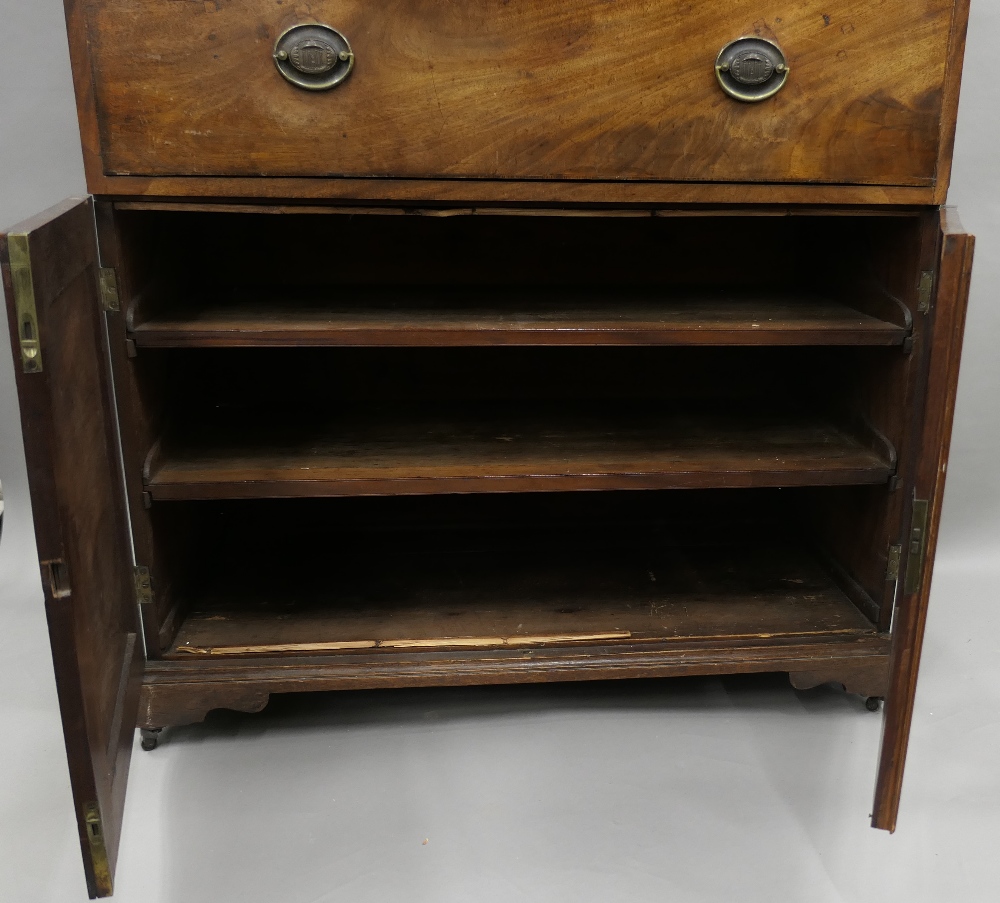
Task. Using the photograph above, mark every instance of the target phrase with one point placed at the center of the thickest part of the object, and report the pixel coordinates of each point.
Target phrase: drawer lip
(468, 192)
(940, 25)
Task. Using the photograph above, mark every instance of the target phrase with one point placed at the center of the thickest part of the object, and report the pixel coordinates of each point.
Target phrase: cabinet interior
(385, 575)
(415, 431)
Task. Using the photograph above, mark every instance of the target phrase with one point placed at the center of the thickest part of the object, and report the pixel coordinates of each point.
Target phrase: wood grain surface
(945, 350)
(81, 527)
(380, 450)
(524, 90)
(356, 316)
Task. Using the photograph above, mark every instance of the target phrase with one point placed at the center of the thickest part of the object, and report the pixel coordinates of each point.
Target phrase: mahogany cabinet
(491, 343)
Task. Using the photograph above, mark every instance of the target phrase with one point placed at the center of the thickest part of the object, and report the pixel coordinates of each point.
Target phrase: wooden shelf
(359, 316)
(382, 450)
(390, 599)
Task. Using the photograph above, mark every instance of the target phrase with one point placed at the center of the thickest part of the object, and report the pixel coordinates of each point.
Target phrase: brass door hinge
(109, 289)
(98, 849)
(892, 569)
(24, 301)
(143, 586)
(917, 547)
(925, 291)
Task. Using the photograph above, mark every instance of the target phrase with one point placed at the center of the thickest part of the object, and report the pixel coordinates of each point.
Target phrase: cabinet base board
(176, 693)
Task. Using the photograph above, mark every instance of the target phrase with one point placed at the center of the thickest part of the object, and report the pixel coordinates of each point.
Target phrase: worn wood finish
(483, 316)
(870, 681)
(949, 100)
(393, 591)
(316, 294)
(81, 529)
(466, 193)
(183, 692)
(951, 301)
(525, 91)
(858, 527)
(384, 450)
(137, 397)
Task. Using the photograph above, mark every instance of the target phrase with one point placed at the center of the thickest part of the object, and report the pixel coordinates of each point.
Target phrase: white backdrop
(693, 790)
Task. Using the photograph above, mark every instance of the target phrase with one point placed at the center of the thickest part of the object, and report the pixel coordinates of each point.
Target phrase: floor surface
(685, 790)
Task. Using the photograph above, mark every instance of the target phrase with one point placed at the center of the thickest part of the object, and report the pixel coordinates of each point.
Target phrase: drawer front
(524, 89)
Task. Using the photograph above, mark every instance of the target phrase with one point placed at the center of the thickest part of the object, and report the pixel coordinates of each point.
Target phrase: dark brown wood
(859, 527)
(395, 592)
(949, 100)
(311, 376)
(481, 316)
(504, 94)
(136, 395)
(385, 451)
(469, 192)
(176, 693)
(869, 681)
(950, 305)
(81, 529)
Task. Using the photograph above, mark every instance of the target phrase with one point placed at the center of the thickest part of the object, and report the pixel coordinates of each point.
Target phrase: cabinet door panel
(58, 338)
(945, 347)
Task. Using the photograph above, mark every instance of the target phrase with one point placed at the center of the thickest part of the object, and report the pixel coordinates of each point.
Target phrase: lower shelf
(397, 599)
(325, 595)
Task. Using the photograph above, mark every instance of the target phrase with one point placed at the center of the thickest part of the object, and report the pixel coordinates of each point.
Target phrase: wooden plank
(385, 450)
(464, 192)
(448, 316)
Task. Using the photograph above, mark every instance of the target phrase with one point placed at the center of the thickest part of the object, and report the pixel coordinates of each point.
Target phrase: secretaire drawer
(524, 89)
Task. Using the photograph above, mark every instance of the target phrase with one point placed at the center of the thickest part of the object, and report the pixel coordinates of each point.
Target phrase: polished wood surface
(474, 316)
(525, 91)
(81, 529)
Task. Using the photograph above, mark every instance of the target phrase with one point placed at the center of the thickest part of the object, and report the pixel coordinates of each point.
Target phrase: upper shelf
(359, 316)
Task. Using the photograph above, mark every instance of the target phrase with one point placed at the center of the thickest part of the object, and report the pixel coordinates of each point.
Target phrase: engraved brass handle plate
(314, 57)
(751, 69)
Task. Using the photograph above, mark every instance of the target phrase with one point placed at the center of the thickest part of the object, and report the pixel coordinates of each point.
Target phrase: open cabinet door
(950, 301)
(50, 275)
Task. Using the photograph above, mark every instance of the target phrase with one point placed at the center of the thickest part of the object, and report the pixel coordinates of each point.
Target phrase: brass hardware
(58, 578)
(98, 850)
(24, 301)
(143, 586)
(892, 569)
(917, 546)
(751, 69)
(315, 57)
(925, 291)
(109, 289)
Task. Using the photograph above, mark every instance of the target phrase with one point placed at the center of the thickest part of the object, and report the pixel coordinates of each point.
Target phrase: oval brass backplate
(314, 57)
(751, 69)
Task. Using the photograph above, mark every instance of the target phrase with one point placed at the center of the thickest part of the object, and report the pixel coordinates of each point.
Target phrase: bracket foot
(149, 737)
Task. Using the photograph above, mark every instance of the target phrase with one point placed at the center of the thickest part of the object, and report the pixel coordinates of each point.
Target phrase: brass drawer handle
(314, 57)
(751, 69)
